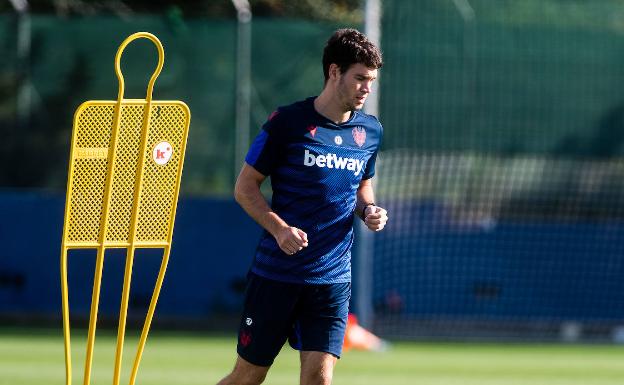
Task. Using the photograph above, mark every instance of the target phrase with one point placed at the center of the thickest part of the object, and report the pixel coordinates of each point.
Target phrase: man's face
(354, 86)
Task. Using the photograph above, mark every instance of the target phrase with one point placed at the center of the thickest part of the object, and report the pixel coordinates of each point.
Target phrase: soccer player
(320, 154)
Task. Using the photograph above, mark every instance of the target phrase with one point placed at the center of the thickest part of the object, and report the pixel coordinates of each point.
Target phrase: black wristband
(363, 216)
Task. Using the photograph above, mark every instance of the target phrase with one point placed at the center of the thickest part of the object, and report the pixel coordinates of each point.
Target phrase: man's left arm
(374, 217)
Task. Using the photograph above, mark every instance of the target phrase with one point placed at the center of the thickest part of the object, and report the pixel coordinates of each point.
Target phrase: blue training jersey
(316, 167)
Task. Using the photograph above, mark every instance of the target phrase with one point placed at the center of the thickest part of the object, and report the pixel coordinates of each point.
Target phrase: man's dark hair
(349, 46)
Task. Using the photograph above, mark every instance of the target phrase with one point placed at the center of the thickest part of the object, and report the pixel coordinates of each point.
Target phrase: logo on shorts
(248, 321)
(245, 338)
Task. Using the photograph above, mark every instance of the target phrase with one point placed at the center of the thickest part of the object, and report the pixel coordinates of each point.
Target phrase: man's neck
(327, 105)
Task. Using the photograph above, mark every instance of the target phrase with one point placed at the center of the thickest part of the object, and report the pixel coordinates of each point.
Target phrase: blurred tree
(330, 10)
(44, 134)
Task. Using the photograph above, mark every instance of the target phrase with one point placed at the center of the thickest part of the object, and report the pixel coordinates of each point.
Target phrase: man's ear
(334, 71)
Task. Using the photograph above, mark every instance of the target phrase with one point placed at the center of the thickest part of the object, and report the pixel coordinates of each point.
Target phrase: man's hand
(291, 239)
(375, 218)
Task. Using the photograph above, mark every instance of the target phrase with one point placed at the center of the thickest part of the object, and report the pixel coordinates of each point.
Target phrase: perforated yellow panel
(168, 123)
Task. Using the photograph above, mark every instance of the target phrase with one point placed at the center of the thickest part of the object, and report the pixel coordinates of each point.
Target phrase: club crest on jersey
(359, 135)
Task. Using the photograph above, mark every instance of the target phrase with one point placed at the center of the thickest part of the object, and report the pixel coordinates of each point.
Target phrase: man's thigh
(321, 321)
(267, 319)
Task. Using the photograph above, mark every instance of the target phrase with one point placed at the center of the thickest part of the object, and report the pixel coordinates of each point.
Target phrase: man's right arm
(247, 194)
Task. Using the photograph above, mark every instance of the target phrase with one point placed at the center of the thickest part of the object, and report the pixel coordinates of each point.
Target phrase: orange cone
(356, 337)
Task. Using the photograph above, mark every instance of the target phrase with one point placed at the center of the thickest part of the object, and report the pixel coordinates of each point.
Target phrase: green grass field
(35, 357)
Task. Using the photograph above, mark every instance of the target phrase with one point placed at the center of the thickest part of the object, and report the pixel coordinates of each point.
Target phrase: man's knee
(317, 368)
(245, 373)
(318, 377)
(238, 378)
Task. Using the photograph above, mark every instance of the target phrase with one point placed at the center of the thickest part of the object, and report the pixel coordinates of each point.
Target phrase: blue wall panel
(429, 265)
(501, 271)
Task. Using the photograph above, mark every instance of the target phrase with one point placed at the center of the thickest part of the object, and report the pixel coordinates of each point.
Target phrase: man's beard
(354, 107)
(349, 103)
(351, 106)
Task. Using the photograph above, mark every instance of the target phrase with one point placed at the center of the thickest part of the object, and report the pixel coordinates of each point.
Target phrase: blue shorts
(310, 317)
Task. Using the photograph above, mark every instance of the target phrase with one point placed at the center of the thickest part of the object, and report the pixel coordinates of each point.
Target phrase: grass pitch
(35, 357)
